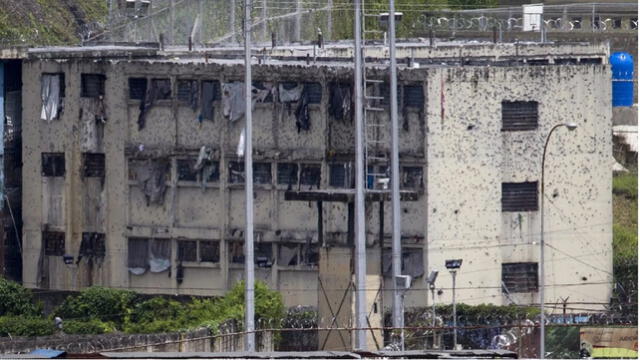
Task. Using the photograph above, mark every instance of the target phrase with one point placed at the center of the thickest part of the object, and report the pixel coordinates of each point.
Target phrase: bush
(626, 184)
(26, 326)
(92, 326)
(16, 300)
(158, 308)
(107, 305)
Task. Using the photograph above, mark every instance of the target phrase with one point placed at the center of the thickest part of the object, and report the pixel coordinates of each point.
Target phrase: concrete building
(116, 142)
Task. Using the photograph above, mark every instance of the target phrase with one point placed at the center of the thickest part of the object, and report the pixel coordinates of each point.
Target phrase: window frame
(84, 89)
(515, 115)
(60, 157)
(519, 207)
(530, 278)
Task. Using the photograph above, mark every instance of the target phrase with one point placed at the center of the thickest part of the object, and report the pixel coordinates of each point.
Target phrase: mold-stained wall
(454, 136)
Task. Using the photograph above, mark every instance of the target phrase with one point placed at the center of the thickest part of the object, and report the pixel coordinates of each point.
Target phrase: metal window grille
(262, 173)
(412, 177)
(209, 251)
(384, 90)
(210, 93)
(53, 164)
(185, 169)
(310, 175)
(577, 22)
(287, 174)
(165, 85)
(93, 165)
(92, 244)
(311, 254)
(236, 172)
(138, 253)
(413, 96)
(187, 90)
(520, 196)
(236, 252)
(53, 243)
(187, 250)
(263, 255)
(520, 277)
(137, 88)
(92, 85)
(519, 115)
(314, 92)
(617, 23)
(338, 175)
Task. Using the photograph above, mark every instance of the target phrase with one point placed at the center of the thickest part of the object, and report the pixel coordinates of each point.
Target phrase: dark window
(577, 22)
(236, 172)
(260, 86)
(411, 177)
(338, 176)
(314, 92)
(210, 93)
(384, 90)
(92, 85)
(412, 262)
(633, 24)
(137, 88)
(519, 277)
(616, 23)
(210, 251)
(93, 165)
(264, 255)
(236, 252)
(185, 169)
(138, 253)
(187, 250)
(520, 196)
(596, 22)
(288, 254)
(310, 175)
(310, 254)
(188, 92)
(287, 174)
(413, 96)
(164, 88)
(53, 164)
(53, 243)
(92, 245)
(262, 173)
(519, 115)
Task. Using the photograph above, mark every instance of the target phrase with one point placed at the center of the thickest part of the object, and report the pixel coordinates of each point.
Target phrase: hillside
(50, 22)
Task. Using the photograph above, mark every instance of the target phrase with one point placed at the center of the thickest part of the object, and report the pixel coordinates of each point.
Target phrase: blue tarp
(48, 353)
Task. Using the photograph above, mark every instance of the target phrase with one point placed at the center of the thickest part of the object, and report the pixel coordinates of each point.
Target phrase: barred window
(209, 251)
(262, 173)
(138, 253)
(53, 164)
(236, 172)
(137, 88)
(338, 175)
(519, 277)
(188, 92)
(263, 255)
(287, 174)
(310, 174)
(411, 177)
(162, 88)
(92, 85)
(314, 92)
(210, 93)
(187, 250)
(93, 164)
(186, 170)
(53, 243)
(519, 115)
(520, 196)
(413, 96)
(92, 244)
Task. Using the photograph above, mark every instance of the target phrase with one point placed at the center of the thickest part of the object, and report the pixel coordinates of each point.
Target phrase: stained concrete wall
(455, 137)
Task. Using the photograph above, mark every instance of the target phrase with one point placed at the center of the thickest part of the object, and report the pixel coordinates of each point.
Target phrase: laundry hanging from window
(151, 176)
(160, 90)
(159, 255)
(205, 167)
(340, 102)
(52, 94)
(233, 99)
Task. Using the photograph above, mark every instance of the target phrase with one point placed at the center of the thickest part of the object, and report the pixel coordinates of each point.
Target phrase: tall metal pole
(248, 186)
(298, 20)
(433, 313)
(232, 20)
(396, 245)
(455, 321)
(264, 20)
(360, 236)
(329, 35)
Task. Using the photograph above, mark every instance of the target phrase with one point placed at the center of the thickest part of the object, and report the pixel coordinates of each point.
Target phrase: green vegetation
(16, 300)
(104, 304)
(563, 342)
(26, 326)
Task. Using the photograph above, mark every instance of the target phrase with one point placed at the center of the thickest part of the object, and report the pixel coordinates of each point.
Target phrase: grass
(626, 184)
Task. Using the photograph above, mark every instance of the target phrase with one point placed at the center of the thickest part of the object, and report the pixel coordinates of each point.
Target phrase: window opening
(137, 88)
(310, 175)
(93, 165)
(519, 115)
(52, 92)
(236, 172)
(92, 85)
(53, 164)
(92, 244)
(519, 277)
(53, 243)
(209, 251)
(262, 173)
(520, 196)
(187, 250)
(287, 174)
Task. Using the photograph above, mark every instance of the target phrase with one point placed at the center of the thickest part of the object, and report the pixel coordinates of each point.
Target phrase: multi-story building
(132, 177)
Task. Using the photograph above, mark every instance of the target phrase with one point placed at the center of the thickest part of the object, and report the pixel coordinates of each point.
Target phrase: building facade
(132, 175)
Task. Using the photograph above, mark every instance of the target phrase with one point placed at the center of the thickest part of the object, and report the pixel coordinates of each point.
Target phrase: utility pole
(248, 187)
(232, 20)
(264, 20)
(298, 20)
(329, 20)
(172, 19)
(396, 245)
(360, 236)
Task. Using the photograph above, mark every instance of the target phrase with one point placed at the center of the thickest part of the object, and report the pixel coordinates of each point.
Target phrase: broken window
(520, 196)
(288, 254)
(92, 244)
(92, 85)
(340, 101)
(53, 164)
(314, 92)
(53, 243)
(210, 93)
(236, 172)
(338, 175)
(209, 251)
(310, 175)
(186, 170)
(187, 250)
(411, 177)
(236, 252)
(263, 255)
(616, 23)
(287, 174)
(519, 115)
(188, 93)
(262, 173)
(93, 165)
(138, 253)
(137, 88)
(413, 96)
(519, 277)
(310, 254)
(267, 96)
(577, 22)
(163, 88)
(412, 262)
(52, 90)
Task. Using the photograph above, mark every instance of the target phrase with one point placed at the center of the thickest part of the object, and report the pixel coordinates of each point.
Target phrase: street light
(453, 266)
(431, 280)
(571, 126)
(403, 283)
